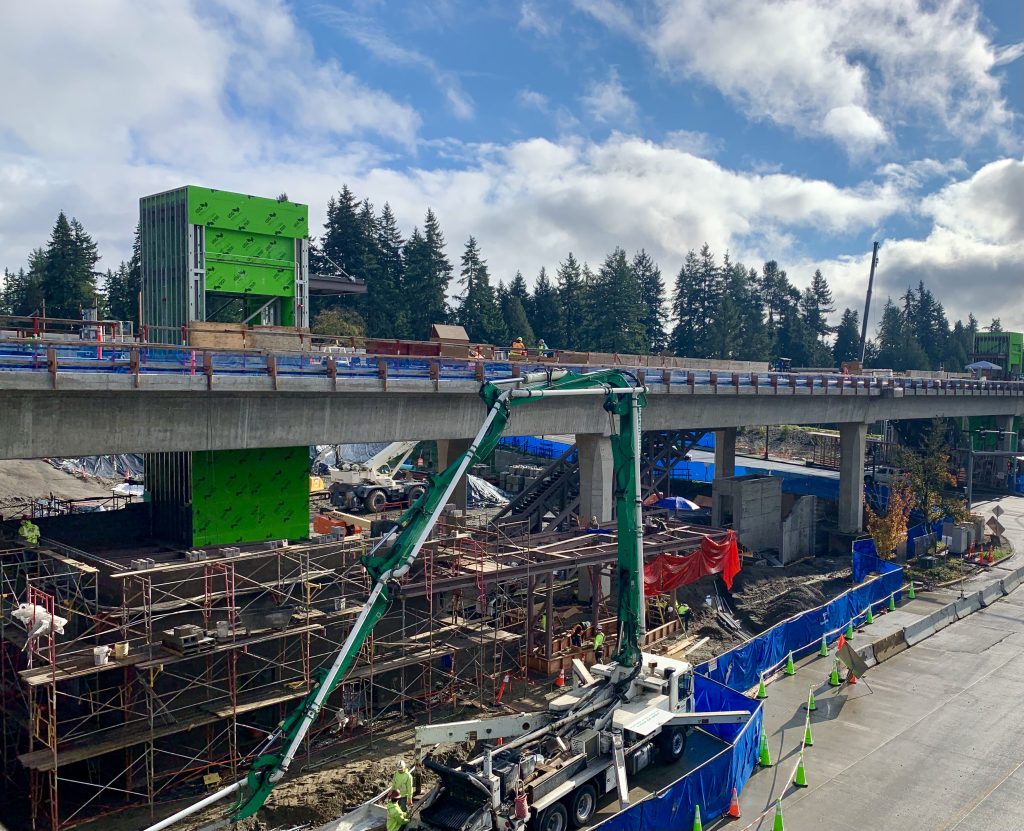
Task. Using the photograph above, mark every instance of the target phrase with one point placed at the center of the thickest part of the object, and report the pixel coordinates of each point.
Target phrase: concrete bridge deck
(88, 400)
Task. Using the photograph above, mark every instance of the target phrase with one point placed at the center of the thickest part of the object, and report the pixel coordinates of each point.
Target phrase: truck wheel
(375, 501)
(582, 804)
(671, 744)
(415, 493)
(553, 818)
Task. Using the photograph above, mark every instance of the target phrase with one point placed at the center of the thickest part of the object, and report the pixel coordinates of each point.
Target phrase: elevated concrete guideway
(95, 413)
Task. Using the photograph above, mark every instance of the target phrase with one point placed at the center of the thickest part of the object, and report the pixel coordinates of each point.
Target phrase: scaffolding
(175, 665)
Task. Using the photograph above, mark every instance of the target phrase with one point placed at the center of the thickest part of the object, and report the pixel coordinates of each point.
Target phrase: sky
(794, 130)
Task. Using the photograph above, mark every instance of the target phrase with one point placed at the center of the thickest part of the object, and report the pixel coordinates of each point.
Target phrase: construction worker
(28, 530)
(477, 354)
(397, 818)
(518, 350)
(684, 615)
(542, 348)
(599, 646)
(576, 637)
(401, 783)
(594, 524)
(543, 622)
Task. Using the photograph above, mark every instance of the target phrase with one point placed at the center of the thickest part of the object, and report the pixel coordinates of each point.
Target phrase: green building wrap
(250, 241)
(250, 495)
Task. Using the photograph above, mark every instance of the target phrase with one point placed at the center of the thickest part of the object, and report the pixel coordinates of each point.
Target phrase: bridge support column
(596, 472)
(852, 444)
(448, 450)
(725, 466)
(1007, 441)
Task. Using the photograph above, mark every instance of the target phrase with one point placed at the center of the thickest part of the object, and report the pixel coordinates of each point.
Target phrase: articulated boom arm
(391, 558)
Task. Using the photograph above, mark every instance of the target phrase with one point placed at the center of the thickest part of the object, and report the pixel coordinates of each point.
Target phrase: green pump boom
(391, 558)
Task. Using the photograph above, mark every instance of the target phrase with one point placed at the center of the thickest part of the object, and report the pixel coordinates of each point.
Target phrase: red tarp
(670, 571)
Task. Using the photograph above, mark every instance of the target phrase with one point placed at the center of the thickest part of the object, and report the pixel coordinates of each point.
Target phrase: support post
(597, 472)
(852, 445)
(549, 611)
(725, 467)
(448, 450)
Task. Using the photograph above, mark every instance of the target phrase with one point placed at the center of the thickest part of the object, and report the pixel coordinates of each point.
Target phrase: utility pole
(867, 303)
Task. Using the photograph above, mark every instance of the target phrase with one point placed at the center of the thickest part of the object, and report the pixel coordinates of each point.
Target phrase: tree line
(712, 307)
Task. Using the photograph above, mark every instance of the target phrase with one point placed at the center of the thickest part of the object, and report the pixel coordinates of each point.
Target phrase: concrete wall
(798, 531)
(756, 510)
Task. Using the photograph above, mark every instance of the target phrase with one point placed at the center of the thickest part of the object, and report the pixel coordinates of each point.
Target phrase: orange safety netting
(670, 571)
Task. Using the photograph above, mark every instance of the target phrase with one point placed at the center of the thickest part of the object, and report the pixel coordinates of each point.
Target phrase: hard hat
(519, 339)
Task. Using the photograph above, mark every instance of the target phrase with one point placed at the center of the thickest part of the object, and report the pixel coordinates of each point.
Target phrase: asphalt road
(931, 740)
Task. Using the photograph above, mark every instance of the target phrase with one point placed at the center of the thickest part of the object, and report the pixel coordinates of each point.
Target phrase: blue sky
(799, 130)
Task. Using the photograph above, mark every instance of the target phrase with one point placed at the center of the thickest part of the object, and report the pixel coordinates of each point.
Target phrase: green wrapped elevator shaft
(398, 551)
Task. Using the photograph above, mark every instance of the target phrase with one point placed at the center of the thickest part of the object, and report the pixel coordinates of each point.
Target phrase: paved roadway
(931, 740)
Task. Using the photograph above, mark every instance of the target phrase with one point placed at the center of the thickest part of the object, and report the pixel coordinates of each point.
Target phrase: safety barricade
(917, 631)
(943, 617)
(967, 605)
(884, 648)
(709, 785)
(990, 594)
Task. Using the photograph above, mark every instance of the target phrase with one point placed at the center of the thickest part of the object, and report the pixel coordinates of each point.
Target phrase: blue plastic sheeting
(741, 667)
(535, 446)
(710, 785)
(866, 561)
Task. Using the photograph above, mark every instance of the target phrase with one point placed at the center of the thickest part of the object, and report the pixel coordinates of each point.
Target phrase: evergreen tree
(755, 339)
(517, 325)
(68, 274)
(122, 287)
(774, 286)
(23, 291)
(387, 299)
(618, 312)
(793, 338)
(339, 249)
(726, 327)
(478, 308)
(427, 274)
(371, 270)
(545, 311)
(890, 336)
(686, 309)
(816, 304)
(572, 304)
(995, 326)
(652, 298)
(591, 314)
(847, 345)
(518, 289)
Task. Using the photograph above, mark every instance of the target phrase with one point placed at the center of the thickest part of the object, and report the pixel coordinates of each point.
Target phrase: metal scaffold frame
(94, 738)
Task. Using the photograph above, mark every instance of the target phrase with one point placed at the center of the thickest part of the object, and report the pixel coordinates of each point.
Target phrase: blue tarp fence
(709, 785)
(741, 668)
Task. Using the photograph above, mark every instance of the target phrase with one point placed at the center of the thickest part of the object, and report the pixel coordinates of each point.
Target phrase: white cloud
(186, 96)
(972, 258)
(377, 42)
(608, 102)
(852, 71)
(532, 17)
(534, 100)
(695, 142)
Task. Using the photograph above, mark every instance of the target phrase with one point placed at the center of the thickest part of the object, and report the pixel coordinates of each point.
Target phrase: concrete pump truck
(551, 767)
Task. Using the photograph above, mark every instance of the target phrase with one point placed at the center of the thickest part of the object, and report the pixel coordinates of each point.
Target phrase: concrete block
(967, 605)
(990, 594)
(918, 631)
(941, 618)
(890, 645)
(1010, 582)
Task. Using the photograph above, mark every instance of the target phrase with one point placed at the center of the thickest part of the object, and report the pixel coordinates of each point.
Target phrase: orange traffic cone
(501, 688)
(851, 679)
(734, 806)
(560, 680)
(841, 642)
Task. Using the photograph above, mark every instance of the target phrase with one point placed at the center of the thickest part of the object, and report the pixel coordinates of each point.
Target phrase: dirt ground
(784, 442)
(23, 479)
